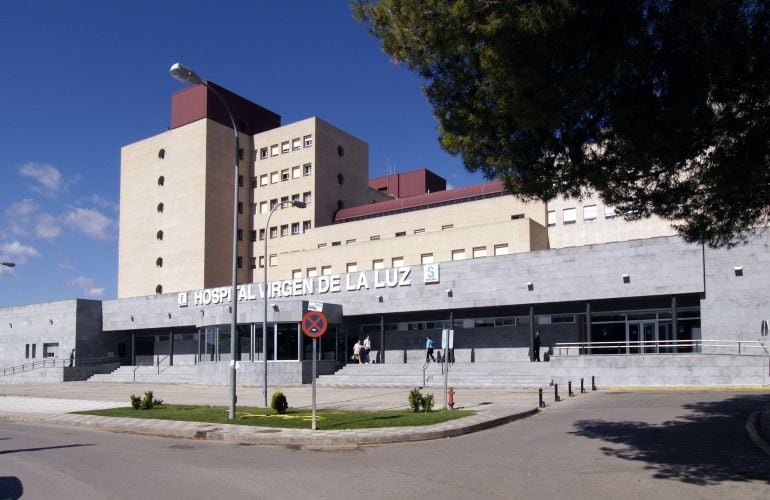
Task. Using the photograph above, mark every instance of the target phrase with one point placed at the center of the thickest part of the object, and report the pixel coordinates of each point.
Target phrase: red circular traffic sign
(314, 324)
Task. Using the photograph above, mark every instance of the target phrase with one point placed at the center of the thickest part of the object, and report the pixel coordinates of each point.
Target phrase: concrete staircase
(502, 375)
(149, 374)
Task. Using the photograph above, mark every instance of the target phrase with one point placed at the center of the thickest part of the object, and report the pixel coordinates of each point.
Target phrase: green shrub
(147, 401)
(278, 402)
(415, 399)
(427, 403)
(136, 402)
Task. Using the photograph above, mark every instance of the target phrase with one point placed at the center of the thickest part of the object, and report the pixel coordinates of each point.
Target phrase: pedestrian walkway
(51, 404)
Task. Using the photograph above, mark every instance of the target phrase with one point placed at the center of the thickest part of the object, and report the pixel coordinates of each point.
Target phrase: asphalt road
(609, 445)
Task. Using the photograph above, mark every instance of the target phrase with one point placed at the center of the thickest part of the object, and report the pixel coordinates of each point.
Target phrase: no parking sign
(314, 324)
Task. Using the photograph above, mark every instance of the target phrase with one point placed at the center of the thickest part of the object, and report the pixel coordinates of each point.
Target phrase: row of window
(286, 147)
(283, 175)
(425, 258)
(459, 323)
(376, 237)
(569, 215)
(265, 207)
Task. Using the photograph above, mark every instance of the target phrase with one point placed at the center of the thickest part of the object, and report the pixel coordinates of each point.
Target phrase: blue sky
(80, 79)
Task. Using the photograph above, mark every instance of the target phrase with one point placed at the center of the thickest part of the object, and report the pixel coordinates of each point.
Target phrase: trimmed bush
(147, 400)
(136, 402)
(415, 399)
(278, 402)
(427, 403)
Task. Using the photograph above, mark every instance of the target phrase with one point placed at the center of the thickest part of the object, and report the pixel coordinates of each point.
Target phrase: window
(261, 235)
(253, 183)
(610, 212)
(400, 234)
(351, 267)
(570, 215)
(273, 260)
(274, 150)
(589, 213)
(240, 207)
(240, 235)
(340, 179)
(253, 264)
(307, 169)
(296, 172)
(311, 272)
(263, 153)
(336, 243)
(350, 242)
(296, 273)
(159, 262)
(274, 177)
(517, 216)
(479, 252)
(458, 254)
(273, 232)
(161, 180)
(253, 209)
(340, 151)
(295, 144)
(307, 197)
(447, 226)
(308, 141)
(426, 258)
(263, 180)
(162, 154)
(285, 174)
(326, 270)
(160, 208)
(261, 261)
(551, 218)
(398, 262)
(253, 236)
(378, 264)
(284, 200)
(374, 238)
(322, 245)
(419, 231)
(159, 289)
(306, 225)
(285, 147)
(273, 203)
(239, 262)
(26, 351)
(240, 153)
(159, 235)
(284, 230)
(263, 207)
(501, 249)
(295, 228)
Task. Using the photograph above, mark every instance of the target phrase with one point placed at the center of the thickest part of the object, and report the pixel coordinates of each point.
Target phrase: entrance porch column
(531, 333)
(171, 347)
(382, 339)
(588, 325)
(674, 322)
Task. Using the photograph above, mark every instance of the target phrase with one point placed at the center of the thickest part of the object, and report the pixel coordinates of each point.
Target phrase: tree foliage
(658, 106)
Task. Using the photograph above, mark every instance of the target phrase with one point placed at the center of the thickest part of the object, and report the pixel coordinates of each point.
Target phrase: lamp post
(294, 203)
(8, 264)
(186, 75)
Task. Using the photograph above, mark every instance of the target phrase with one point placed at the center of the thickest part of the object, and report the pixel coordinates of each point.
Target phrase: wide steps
(149, 374)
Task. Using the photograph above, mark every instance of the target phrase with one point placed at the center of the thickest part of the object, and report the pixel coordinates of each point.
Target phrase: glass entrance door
(650, 336)
(642, 337)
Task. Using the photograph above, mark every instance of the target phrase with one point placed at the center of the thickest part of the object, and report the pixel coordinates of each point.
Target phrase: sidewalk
(49, 404)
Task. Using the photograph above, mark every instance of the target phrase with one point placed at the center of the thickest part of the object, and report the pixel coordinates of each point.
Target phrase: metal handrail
(54, 363)
(659, 346)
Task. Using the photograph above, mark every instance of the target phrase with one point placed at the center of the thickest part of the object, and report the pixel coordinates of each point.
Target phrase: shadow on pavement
(708, 445)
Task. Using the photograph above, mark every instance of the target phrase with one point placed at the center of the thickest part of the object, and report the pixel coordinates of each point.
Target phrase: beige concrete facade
(315, 162)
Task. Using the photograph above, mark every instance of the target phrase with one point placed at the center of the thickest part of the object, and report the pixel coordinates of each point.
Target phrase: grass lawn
(293, 418)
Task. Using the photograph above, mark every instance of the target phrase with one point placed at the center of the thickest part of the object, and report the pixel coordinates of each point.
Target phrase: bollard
(582, 389)
(593, 382)
(556, 392)
(569, 389)
(540, 394)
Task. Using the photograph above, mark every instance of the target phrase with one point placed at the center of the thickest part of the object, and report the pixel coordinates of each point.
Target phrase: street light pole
(265, 289)
(187, 75)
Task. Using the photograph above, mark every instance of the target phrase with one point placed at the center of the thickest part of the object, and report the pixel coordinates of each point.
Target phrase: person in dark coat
(536, 347)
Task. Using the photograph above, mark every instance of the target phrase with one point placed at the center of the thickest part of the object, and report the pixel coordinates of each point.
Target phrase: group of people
(361, 350)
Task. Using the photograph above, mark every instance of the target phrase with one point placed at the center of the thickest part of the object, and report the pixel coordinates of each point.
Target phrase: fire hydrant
(451, 399)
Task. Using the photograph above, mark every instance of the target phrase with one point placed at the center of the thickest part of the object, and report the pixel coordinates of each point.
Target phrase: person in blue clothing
(429, 354)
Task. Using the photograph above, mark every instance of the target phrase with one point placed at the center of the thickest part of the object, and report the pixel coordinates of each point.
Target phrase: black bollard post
(556, 393)
(593, 382)
(540, 394)
(569, 389)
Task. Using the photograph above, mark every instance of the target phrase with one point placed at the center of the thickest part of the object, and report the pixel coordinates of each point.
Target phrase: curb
(274, 436)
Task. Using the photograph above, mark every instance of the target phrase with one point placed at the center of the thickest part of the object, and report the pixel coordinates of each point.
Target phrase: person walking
(536, 347)
(72, 358)
(429, 350)
(366, 348)
(357, 350)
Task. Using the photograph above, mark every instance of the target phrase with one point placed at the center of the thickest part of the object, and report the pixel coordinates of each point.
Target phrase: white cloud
(47, 227)
(14, 251)
(89, 287)
(91, 222)
(103, 202)
(66, 264)
(48, 178)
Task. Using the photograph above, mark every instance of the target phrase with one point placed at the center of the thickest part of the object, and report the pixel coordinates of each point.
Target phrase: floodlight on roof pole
(186, 75)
